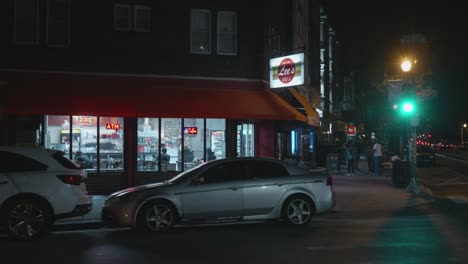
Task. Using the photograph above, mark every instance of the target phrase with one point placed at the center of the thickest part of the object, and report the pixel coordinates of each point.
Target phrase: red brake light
(70, 179)
(329, 181)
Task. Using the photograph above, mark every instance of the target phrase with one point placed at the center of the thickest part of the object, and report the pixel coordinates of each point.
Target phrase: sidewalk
(363, 169)
(438, 182)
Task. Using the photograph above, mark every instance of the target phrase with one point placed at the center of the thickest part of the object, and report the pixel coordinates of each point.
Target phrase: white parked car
(37, 187)
(231, 189)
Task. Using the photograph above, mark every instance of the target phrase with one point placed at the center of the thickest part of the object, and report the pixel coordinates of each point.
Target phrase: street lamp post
(462, 137)
(413, 185)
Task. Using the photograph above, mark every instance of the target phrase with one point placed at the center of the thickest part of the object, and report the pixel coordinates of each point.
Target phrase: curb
(78, 226)
(429, 190)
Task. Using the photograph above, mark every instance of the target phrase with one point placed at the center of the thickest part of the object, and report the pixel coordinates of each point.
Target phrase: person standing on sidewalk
(370, 157)
(357, 155)
(350, 154)
(377, 157)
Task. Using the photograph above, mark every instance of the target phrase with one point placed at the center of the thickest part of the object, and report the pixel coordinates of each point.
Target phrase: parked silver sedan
(232, 189)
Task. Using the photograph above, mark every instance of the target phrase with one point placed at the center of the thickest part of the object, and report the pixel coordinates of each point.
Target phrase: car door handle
(3, 182)
(235, 187)
(278, 184)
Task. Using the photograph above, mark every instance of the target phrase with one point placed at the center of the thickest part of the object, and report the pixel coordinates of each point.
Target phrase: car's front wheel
(298, 210)
(157, 216)
(27, 219)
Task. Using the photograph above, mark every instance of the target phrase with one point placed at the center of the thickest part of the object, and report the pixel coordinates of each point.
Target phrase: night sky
(369, 30)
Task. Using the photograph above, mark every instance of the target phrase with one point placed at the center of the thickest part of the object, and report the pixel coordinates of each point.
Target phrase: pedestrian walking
(350, 155)
(378, 157)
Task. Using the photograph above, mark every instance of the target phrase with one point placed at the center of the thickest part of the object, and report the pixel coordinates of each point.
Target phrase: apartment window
(58, 23)
(142, 18)
(200, 31)
(227, 33)
(122, 17)
(26, 22)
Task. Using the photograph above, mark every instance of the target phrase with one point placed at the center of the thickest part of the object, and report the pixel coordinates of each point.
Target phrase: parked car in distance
(230, 189)
(37, 187)
(426, 156)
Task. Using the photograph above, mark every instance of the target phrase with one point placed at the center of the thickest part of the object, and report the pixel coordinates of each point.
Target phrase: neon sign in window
(191, 130)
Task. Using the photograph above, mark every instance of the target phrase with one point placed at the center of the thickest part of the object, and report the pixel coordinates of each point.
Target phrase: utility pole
(410, 111)
(414, 185)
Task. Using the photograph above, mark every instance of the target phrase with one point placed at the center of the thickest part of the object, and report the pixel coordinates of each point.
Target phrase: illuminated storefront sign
(190, 130)
(351, 130)
(85, 119)
(287, 71)
(113, 126)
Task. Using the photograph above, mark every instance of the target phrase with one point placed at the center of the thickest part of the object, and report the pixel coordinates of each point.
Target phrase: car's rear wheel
(27, 219)
(157, 216)
(298, 210)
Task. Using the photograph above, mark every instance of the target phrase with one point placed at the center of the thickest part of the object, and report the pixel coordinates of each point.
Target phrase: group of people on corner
(374, 157)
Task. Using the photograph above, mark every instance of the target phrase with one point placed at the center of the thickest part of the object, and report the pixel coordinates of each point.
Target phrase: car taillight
(329, 181)
(70, 179)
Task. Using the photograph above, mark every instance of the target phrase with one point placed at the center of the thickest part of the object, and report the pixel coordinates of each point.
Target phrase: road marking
(447, 157)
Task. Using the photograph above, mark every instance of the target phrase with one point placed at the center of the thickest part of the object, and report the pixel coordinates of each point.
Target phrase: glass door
(245, 140)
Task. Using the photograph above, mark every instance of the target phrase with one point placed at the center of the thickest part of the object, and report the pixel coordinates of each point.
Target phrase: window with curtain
(58, 23)
(200, 27)
(26, 23)
(142, 18)
(227, 33)
(122, 17)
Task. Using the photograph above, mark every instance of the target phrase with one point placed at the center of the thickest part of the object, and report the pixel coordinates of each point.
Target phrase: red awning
(135, 96)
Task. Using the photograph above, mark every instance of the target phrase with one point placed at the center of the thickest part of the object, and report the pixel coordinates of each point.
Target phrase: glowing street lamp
(406, 65)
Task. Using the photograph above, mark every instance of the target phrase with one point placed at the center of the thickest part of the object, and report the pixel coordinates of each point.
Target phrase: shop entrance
(245, 140)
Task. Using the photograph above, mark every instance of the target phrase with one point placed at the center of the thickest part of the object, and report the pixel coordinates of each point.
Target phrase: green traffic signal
(408, 107)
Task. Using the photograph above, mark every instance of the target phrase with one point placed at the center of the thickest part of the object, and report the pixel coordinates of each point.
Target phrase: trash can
(400, 175)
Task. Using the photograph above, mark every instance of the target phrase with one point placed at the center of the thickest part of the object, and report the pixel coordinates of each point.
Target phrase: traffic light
(405, 107)
(408, 107)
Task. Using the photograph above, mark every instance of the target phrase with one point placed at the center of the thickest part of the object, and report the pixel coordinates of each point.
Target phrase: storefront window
(57, 133)
(111, 143)
(81, 139)
(216, 139)
(171, 139)
(193, 141)
(148, 144)
(85, 148)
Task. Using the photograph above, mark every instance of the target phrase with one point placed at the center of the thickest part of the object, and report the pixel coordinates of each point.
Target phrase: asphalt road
(449, 179)
(373, 222)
